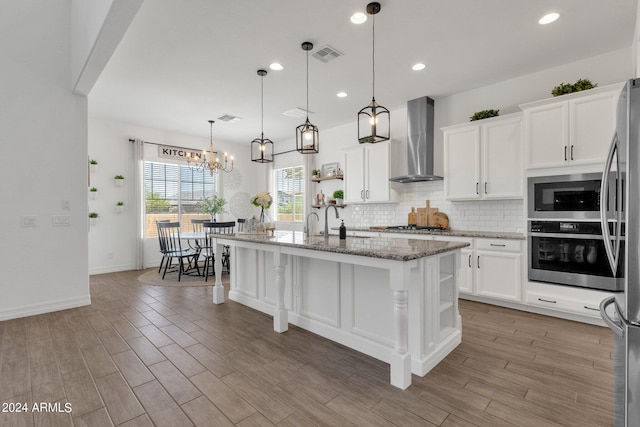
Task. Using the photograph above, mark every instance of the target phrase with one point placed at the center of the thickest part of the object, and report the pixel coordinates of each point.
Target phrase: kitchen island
(394, 299)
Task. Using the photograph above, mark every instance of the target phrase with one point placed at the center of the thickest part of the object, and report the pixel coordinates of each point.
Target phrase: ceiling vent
(229, 118)
(327, 54)
(297, 113)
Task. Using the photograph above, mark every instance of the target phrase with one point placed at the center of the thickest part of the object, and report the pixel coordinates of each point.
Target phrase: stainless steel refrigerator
(621, 233)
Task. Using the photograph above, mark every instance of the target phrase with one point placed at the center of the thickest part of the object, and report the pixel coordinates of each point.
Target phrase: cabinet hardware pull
(495, 244)
(565, 153)
(469, 260)
(547, 300)
(485, 187)
(572, 152)
(362, 194)
(478, 261)
(367, 193)
(589, 308)
(477, 191)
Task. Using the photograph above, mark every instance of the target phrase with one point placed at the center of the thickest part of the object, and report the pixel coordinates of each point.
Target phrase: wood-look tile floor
(142, 355)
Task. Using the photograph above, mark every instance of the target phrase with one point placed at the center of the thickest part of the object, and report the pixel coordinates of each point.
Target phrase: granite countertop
(398, 249)
(456, 233)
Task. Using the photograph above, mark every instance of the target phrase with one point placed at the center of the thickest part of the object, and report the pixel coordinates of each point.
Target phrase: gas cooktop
(415, 227)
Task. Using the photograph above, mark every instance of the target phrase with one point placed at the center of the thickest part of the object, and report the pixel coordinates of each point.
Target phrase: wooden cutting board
(425, 215)
(440, 219)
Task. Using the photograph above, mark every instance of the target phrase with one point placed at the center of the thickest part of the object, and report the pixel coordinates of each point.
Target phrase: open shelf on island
(326, 178)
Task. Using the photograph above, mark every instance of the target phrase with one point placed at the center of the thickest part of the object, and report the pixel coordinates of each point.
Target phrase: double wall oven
(566, 243)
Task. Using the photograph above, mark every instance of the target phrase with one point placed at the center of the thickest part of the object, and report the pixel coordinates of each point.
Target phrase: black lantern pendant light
(261, 148)
(373, 120)
(307, 135)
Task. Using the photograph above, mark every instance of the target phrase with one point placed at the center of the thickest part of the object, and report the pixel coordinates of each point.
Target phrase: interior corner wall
(43, 164)
(112, 241)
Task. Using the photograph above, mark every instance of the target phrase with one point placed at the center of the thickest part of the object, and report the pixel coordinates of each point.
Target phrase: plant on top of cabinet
(579, 85)
(484, 114)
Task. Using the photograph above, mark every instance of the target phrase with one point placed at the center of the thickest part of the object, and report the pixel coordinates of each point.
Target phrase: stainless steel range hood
(419, 142)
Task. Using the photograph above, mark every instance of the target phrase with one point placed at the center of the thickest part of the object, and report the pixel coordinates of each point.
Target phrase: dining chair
(197, 223)
(211, 229)
(162, 249)
(171, 244)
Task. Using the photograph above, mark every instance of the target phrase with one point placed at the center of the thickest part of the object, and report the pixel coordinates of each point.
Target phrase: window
(289, 190)
(172, 192)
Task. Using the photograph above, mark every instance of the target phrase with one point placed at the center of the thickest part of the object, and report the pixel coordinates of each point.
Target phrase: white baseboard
(48, 307)
(111, 269)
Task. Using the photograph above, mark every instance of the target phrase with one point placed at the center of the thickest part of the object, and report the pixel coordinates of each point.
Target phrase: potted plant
(213, 206)
(315, 174)
(118, 180)
(120, 207)
(484, 114)
(579, 85)
(93, 191)
(93, 165)
(93, 218)
(339, 196)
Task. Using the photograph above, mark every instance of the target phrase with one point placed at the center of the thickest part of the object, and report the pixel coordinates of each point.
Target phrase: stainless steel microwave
(574, 196)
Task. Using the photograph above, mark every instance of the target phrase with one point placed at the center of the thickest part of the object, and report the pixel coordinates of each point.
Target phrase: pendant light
(373, 120)
(261, 148)
(307, 134)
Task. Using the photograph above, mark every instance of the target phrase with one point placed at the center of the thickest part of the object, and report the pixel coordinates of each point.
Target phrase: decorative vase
(263, 221)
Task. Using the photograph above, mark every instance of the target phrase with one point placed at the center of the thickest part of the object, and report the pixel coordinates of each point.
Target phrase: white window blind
(173, 192)
(289, 194)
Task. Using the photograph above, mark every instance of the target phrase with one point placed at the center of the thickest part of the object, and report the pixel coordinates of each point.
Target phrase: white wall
(43, 163)
(506, 216)
(112, 241)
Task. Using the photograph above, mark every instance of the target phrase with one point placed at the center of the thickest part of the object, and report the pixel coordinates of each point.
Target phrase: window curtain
(138, 194)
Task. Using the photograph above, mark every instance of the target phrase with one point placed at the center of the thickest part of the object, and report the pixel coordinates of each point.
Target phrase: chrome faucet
(326, 222)
(306, 228)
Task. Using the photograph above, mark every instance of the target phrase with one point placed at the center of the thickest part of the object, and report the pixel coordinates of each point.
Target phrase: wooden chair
(211, 229)
(170, 243)
(162, 249)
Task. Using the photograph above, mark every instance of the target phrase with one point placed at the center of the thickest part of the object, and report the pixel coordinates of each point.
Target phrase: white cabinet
(490, 268)
(367, 173)
(483, 160)
(571, 130)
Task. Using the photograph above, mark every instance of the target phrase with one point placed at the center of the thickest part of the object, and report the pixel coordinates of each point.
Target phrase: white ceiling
(182, 63)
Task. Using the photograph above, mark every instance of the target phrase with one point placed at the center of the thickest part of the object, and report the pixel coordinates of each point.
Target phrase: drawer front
(499, 245)
(468, 240)
(584, 308)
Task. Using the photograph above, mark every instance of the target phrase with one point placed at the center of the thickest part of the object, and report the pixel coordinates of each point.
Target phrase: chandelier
(373, 120)
(212, 163)
(262, 148)
(307, 134)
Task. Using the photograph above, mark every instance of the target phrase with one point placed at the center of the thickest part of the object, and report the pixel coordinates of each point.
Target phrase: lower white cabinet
(490, 268)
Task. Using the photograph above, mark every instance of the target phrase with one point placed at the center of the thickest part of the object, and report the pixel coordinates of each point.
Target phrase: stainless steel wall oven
(571, 253)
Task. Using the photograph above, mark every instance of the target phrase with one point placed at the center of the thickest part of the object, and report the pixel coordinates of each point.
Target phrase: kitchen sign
(179, 153)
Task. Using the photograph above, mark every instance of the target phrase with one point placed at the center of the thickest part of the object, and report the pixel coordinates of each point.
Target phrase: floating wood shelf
(326, 178)
(328, 204)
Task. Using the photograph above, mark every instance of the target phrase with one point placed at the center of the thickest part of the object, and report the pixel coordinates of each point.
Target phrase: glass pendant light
(373, 120)
(261, 148)
(307, 134)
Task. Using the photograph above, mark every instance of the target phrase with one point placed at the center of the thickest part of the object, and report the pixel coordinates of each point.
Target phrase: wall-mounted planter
(93, 166)
(119, 208)
(93, 193)
(93, 218)
(119, 179)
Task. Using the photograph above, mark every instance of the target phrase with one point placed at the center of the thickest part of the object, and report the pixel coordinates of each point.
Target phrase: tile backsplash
(495, 215)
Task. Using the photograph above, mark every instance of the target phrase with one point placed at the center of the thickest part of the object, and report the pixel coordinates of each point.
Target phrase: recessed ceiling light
(341, 94)
(359, 18)
(276, 66)
(419, 66)
(549, 18)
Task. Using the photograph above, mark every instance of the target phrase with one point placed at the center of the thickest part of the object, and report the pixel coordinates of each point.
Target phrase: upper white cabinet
(367, 173)
(570, 130)
(483, 159)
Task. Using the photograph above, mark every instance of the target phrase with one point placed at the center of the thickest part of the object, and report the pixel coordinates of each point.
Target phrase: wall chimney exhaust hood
(419, 142)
